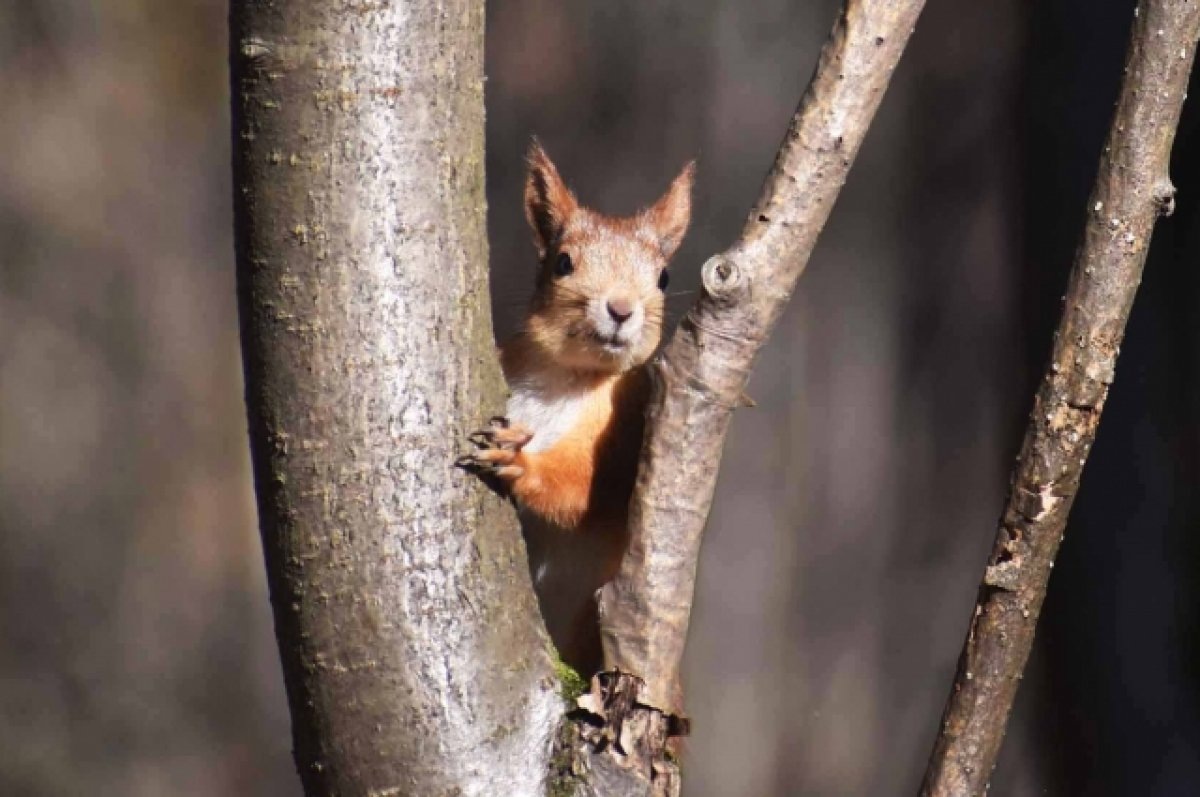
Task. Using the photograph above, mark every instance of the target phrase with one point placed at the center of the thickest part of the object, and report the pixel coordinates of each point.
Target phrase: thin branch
(703, 371)
(1132, 189)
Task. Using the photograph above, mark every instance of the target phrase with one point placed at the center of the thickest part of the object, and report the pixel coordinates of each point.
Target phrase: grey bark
(1132, 189)
(703, 372)
(414, 659)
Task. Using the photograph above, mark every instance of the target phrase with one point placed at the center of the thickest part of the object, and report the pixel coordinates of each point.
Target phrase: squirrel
(566, 450)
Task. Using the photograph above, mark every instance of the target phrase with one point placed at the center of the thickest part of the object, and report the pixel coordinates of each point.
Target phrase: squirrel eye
(663, 279)
(563, 265)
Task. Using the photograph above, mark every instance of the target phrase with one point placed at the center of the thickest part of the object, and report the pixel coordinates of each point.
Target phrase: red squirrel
(567, 449)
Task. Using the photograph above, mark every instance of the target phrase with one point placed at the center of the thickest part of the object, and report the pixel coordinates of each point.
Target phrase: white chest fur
(548, 406)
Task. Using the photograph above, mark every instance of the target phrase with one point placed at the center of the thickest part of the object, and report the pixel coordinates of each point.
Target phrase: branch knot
(723, 279)
(1164, 197)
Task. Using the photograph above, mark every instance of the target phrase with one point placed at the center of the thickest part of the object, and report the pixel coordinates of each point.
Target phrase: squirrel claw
(496, 462)
(497, 449)
(501, 434)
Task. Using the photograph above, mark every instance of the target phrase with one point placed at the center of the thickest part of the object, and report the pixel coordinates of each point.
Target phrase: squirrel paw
(501, 433)
(498, 447)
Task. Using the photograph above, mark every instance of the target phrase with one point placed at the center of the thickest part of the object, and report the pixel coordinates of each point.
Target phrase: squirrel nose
(620, 309)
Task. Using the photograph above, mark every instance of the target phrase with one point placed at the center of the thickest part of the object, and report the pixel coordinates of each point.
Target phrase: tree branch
(1132, 189)
(703, 371)
(413, 655)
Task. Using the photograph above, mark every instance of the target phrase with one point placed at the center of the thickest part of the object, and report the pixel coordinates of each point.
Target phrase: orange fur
(588, 473)
(568, 452)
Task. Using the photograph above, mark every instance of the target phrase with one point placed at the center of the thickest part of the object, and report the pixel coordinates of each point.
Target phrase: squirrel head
(598, 303)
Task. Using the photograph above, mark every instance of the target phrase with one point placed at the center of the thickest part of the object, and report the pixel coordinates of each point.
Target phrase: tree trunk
(414, 658)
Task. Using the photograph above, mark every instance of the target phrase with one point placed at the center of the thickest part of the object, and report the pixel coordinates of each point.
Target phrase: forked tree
(414, 657)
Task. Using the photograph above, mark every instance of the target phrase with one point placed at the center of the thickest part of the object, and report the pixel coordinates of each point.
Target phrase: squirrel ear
(668, 218)
(549, 204)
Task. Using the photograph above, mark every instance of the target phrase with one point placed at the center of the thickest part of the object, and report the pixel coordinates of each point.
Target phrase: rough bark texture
(1132, 189)
(703, 371)
(414, 658)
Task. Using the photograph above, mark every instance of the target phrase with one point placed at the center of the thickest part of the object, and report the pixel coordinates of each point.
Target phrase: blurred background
(857, 502)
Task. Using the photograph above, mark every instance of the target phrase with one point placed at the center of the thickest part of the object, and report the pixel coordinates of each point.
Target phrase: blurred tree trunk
(414, 658)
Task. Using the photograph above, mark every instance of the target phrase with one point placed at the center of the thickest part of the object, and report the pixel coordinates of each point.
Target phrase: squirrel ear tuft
(549, 204)
(668, 218)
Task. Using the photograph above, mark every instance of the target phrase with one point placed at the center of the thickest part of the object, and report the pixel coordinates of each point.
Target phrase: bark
(703, 371)
(1132, 189)
(414, 659)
